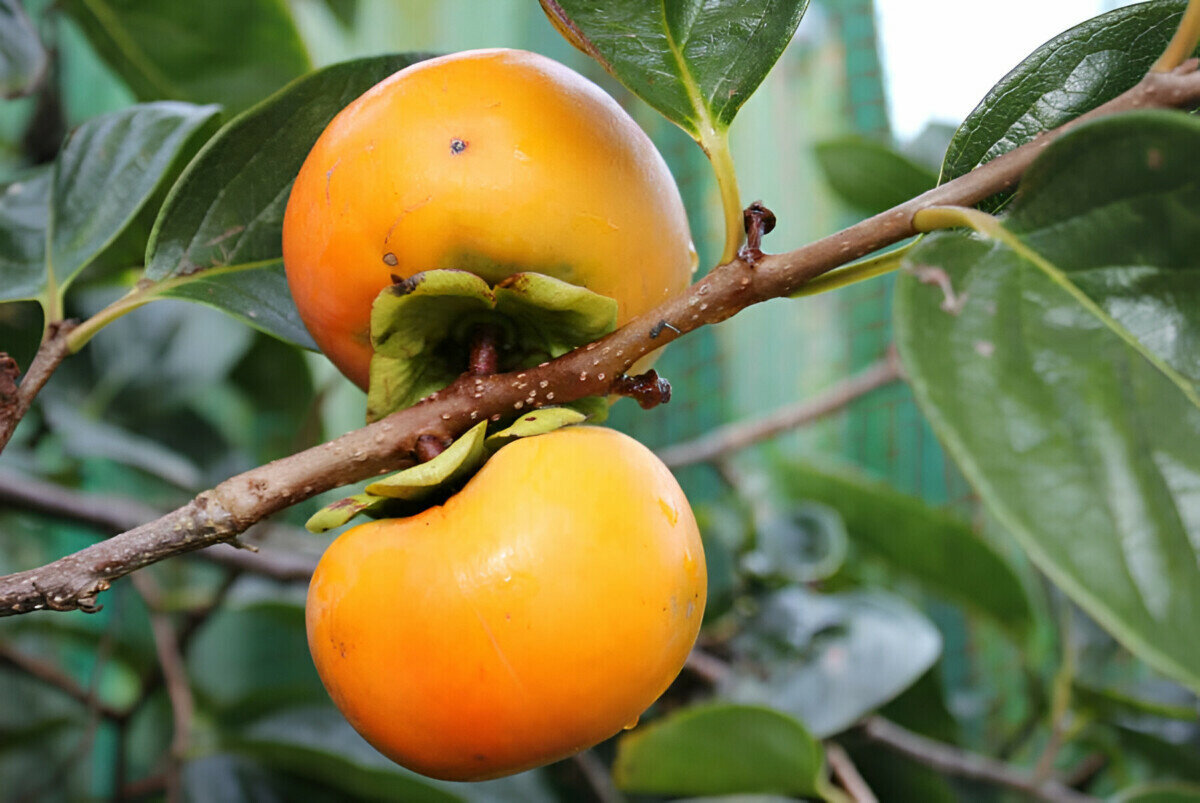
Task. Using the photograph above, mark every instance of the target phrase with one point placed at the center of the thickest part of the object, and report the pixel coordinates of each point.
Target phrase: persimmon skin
(493, 161)
(538, 612)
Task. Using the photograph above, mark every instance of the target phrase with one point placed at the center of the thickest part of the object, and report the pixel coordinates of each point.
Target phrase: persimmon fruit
(536, 613)
(492, 161)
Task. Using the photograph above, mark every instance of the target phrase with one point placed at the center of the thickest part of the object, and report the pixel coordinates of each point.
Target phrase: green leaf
(22, 58)
(538, 422)
(935, 547)
(1066, 384)
(460, 459)
(1159, 793)
(232, 52)
(869, 175)
(829, 659)
(1111, 703)
(720, 749)
(696, 62)
(107, 172)
(218, 238)
(343, 510)
(803, 544)
(1076, 71)
(422, 329)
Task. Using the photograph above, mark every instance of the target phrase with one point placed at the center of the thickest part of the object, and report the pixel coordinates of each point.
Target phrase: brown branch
(220, 514)
(720, 442)
(51, 675)
(847, 774)
(167, 645)
(959, 763)
(15, 399)
(115, 515)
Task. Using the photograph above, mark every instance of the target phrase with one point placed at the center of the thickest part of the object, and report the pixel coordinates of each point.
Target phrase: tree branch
(720, 442)
(15, 399)
(222, 513)
(847, 774)
(952, 761)
(51, 675)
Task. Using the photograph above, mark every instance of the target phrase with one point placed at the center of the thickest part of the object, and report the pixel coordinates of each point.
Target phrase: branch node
(485, 350)
(429, 447)
(648, 389)
(758, 221)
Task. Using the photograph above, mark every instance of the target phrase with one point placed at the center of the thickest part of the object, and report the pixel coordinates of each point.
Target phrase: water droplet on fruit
(630, 725)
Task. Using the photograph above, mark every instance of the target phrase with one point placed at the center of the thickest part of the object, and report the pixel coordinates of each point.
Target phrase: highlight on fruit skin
(493, 161)
(536, 613)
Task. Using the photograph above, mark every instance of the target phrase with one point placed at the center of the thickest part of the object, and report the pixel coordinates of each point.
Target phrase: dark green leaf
(104, 176)
(22, 58)
(218, 238)
(344, 10)
(869, 175)
(232, 52)
(696, 62)
(1066, 384)
(24, 214)
(720, 749)
(1076, 71)
(1110, 703)
(1159, 793)
(802, 544)
(936, 547)
(829, 659)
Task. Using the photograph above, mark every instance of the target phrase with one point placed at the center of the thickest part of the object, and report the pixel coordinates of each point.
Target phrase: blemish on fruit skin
(670, 512)
(390, 260)
(457, 146)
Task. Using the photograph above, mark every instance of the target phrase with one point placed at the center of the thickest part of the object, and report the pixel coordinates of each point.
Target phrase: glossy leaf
(830, 659)
(870, 176)
(22, 58)
(108, 170)
(802, 544)
(218, 239)
(1076, 71)
(935, 547)
(720, 749)
(232, 52)
(1066, 384)
(696, 62)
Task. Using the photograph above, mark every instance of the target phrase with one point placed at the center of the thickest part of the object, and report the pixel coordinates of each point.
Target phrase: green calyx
(424, 329)
(414, 489)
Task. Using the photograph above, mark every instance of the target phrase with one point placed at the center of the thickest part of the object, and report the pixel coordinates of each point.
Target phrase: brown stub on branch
(485, 350)
(758, 221)
(648, 389)
(429, 447)
(9, 371)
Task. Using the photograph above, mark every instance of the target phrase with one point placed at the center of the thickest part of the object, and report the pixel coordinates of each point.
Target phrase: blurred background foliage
(926, 612)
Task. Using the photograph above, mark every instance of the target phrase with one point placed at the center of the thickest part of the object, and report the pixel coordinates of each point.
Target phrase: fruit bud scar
(648, 389)
(758, 221)
(457, 145)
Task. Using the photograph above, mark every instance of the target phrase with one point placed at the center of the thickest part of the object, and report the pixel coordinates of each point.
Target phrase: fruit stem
(429, 447)
(485, 350)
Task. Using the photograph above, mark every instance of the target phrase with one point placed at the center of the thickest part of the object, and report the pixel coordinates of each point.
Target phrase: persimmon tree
(1047, 319)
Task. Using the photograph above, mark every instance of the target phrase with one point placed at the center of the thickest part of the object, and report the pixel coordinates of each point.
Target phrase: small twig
(847, 774)
(758, 221)
(51, 675)
(50, 354)
(959, 763)
(723, 441)
(597, 776)
(174, 673)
